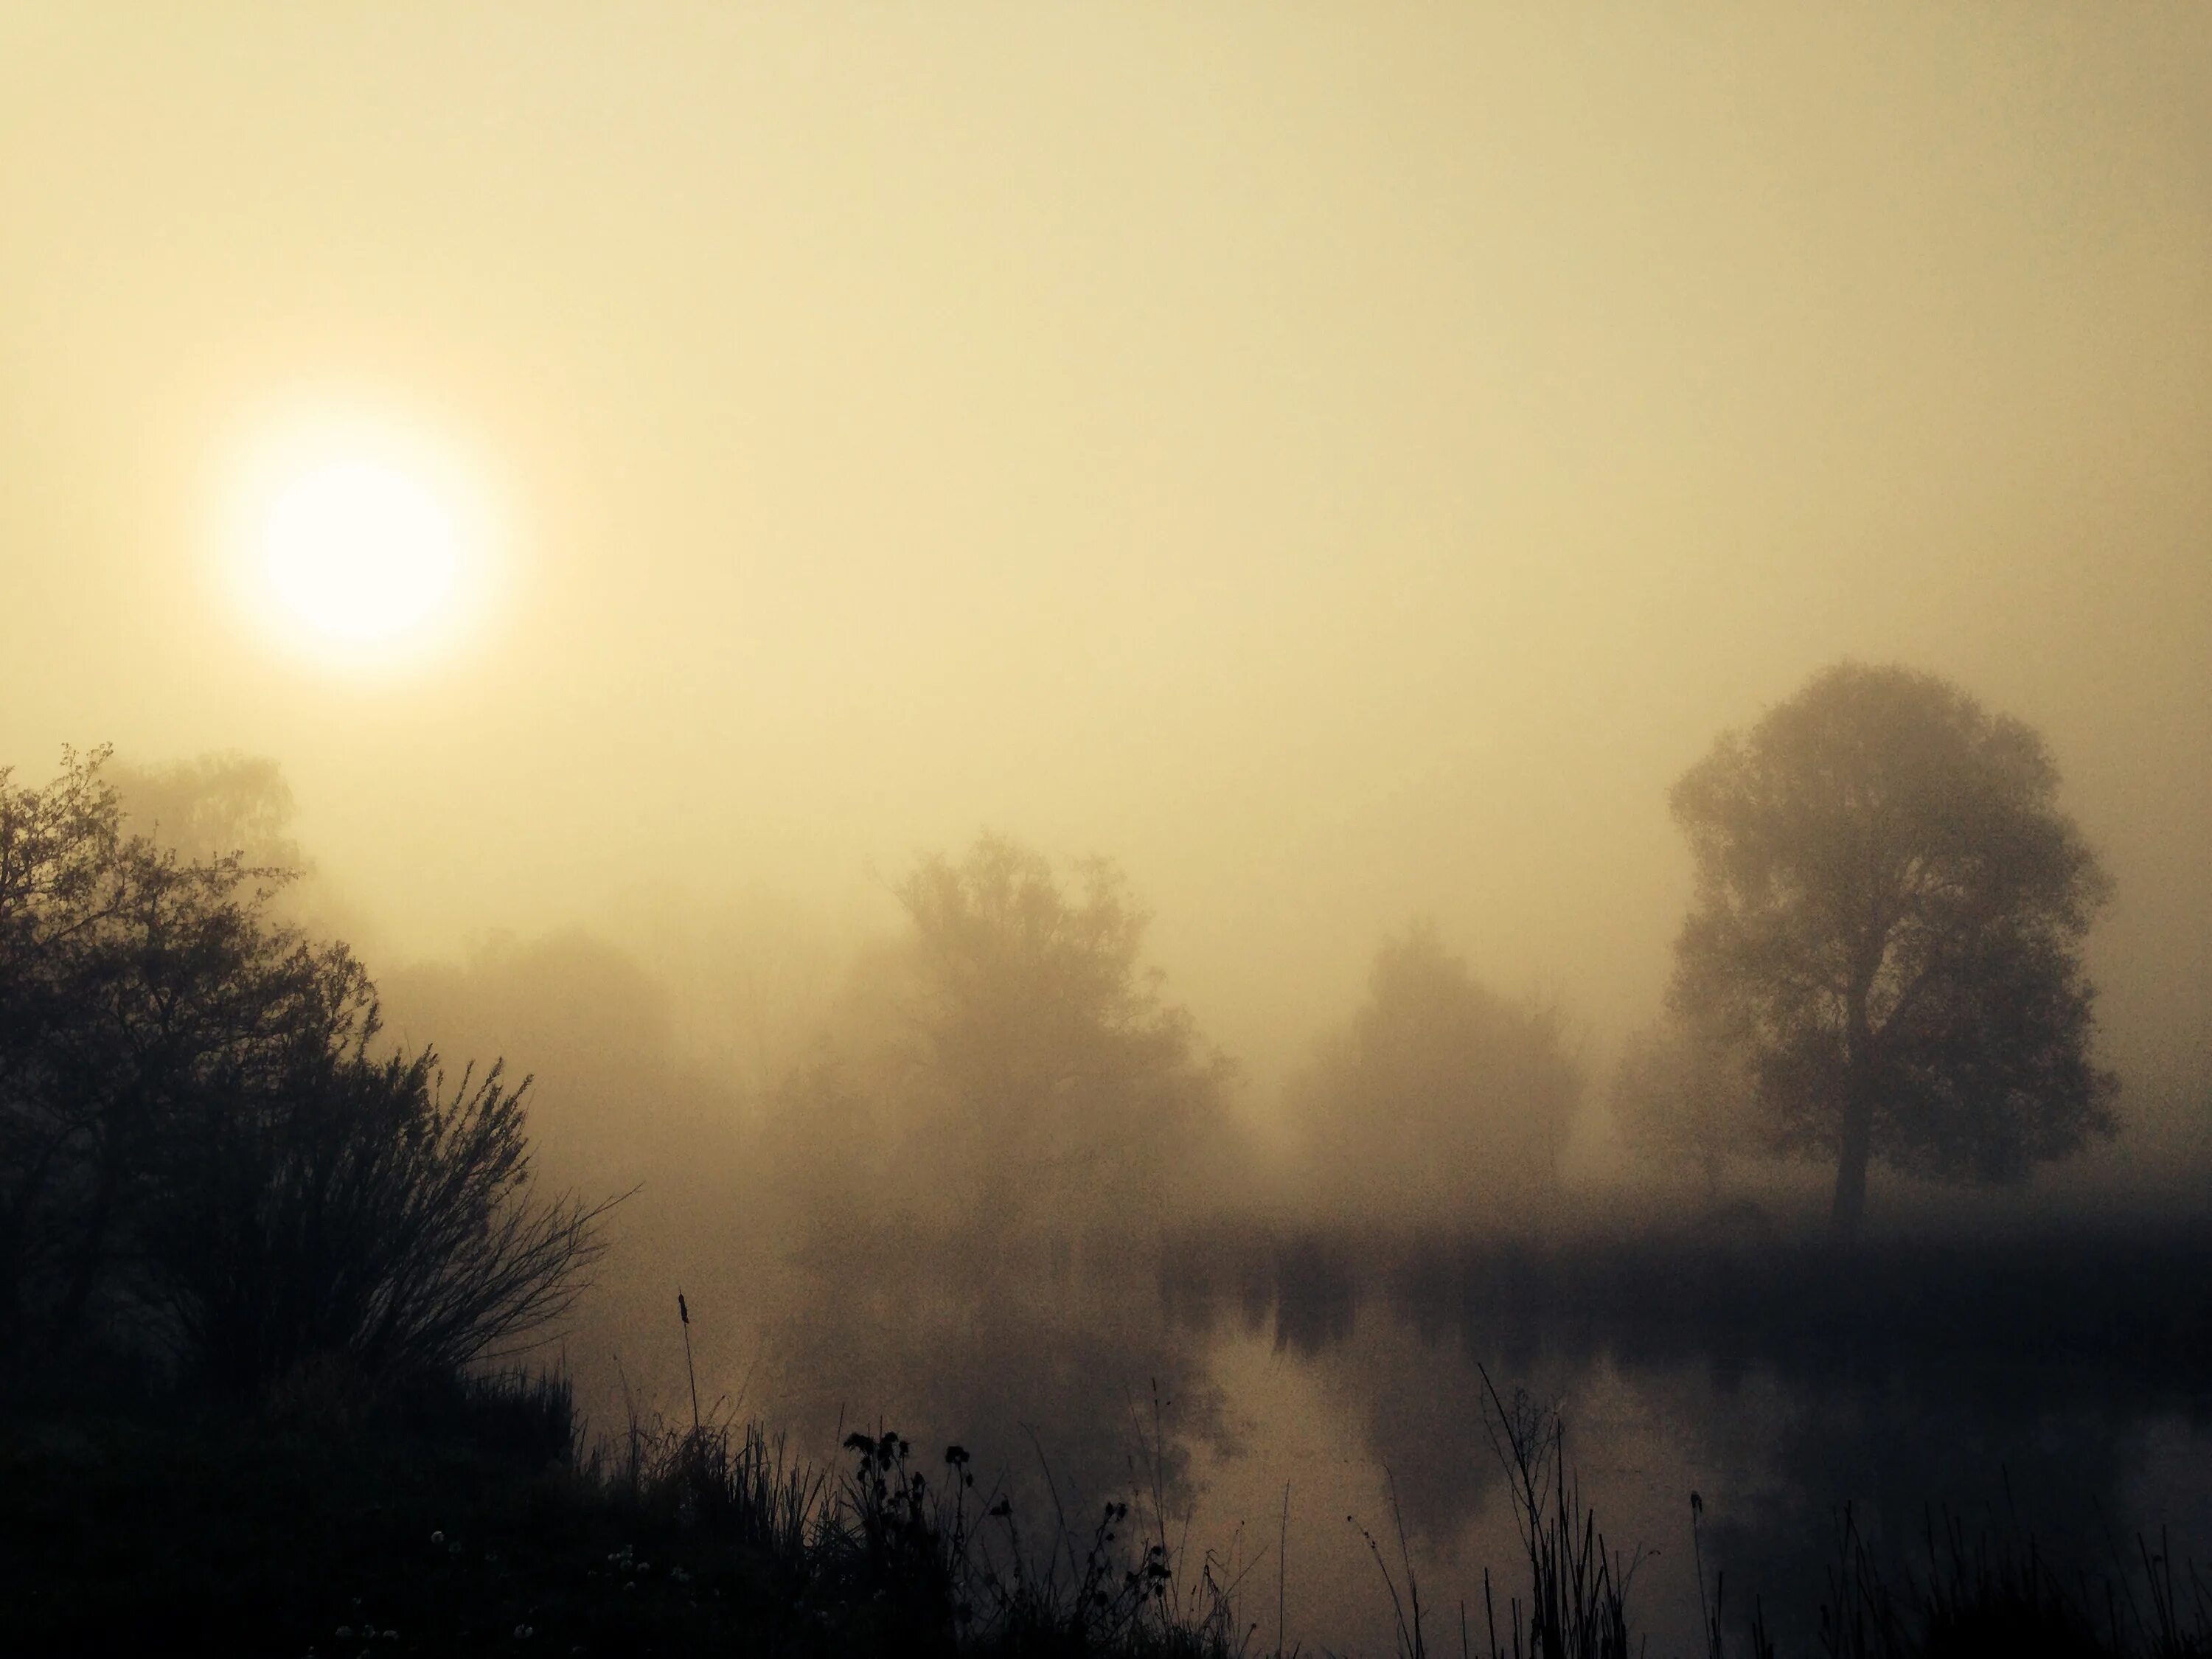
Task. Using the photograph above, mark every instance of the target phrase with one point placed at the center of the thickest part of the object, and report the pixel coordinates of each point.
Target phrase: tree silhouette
(199, 1142)
(364, 1208)
(1678, 1096)
(211, 805)
(1440, 1099)
(1049, 1079)
(1886, 929)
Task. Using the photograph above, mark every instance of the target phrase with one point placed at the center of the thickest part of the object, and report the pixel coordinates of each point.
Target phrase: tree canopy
(1678, 1096)
(1051, 1074)
(1440, 1099)
(1009, 1064)
(1887, 930)
(202, 1149)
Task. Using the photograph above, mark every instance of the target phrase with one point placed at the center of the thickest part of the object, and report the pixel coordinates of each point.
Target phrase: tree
(1440, 1098)
(360, 1208)
(200, 1140)
(129, 979)
(1048, 1080)
(214, 804)
(1678, 1094)
(1886, 929)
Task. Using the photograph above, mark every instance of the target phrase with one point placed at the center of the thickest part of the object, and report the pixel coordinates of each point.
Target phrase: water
(1923, 1390)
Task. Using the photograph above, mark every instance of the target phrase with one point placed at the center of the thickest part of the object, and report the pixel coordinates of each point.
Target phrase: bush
(202, 1155)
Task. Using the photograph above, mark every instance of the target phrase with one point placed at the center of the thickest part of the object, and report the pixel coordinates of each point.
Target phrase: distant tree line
(1882, 967)
(207, 1142)
(1009, 1068)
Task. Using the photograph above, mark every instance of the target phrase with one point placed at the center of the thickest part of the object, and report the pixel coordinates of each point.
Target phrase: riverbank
(473, 1525)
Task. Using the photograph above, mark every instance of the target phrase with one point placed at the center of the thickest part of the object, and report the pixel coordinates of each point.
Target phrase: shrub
(199, 1147)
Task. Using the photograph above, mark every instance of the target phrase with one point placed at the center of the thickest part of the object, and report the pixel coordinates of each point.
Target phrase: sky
(1344, 462)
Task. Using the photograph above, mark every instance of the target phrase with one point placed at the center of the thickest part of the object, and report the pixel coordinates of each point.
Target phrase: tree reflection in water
(2017, 1386)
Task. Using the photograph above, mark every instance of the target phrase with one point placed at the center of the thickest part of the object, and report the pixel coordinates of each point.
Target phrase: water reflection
(2005, 1389)
(2023, 1389)
(1051, 1363)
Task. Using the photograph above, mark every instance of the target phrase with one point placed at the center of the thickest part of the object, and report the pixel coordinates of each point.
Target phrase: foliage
(1886, 929)
(1440, 1099)
(364, 1211)
(198, 1143)
(1995, 1592)
(213, 806)
(133, 986)
(1678, 1096)
(448, 1528)
(1047, 1078)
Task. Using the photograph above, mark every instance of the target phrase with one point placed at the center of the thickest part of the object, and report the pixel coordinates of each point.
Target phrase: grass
(464, 1517)
(1576, 1603)
(1970, 1594)
(1993, 1592)
(464, 1520)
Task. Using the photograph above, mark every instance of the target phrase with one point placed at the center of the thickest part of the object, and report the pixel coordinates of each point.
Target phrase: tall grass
(1993, 1591)
(898, 1547)
(735, 1484)
(1986, 1592)
(1576, 1603)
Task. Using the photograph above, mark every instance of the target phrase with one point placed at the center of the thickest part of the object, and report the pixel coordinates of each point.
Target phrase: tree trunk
(1856, 1141)
(1850, 1210)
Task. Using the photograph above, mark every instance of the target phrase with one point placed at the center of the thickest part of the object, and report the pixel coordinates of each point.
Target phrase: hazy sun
(359, 552)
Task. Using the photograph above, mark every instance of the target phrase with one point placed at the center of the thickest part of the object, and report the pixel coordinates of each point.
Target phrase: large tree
(1887, 929)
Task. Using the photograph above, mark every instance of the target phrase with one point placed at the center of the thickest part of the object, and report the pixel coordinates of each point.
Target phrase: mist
(1059, 743)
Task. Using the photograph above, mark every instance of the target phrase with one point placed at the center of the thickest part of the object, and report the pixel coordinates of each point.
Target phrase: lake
(1277, 1393)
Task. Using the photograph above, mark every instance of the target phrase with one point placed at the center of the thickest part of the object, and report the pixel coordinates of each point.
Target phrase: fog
(1342, 470)
(1343, 466)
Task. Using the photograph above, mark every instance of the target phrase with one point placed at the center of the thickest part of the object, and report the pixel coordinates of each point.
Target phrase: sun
(359, 552)
(365, 542)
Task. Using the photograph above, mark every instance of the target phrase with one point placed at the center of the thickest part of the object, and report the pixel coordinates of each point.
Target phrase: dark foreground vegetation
(1986, 1592)
(466, 1520)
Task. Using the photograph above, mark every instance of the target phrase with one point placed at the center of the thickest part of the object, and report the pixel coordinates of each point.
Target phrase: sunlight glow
(360, 539)
(360, 552)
